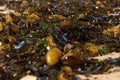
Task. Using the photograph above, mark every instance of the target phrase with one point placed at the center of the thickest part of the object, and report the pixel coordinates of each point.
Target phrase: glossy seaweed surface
(53, 39)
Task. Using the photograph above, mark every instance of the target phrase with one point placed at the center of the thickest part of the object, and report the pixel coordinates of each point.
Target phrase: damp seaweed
(55, 39)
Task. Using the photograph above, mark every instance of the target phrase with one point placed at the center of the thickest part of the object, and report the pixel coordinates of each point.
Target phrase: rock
(29, 77)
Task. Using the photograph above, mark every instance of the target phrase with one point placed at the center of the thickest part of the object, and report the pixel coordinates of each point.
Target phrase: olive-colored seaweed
(52, 39)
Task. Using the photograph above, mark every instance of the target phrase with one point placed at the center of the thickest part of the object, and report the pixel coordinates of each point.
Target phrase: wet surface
(42, 37)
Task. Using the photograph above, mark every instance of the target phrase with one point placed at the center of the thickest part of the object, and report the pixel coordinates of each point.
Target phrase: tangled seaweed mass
(54, 39)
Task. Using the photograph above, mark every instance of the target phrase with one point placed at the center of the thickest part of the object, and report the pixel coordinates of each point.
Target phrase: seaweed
(77, 29)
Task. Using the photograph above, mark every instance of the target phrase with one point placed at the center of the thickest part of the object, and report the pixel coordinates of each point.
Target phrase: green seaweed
(41, 45)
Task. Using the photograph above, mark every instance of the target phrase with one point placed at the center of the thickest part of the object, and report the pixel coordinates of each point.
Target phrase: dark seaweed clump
(23, 43)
